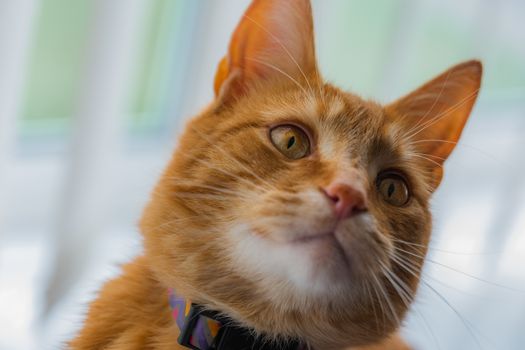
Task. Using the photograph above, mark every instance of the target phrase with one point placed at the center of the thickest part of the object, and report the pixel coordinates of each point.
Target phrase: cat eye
(291, 141)
(393, 188)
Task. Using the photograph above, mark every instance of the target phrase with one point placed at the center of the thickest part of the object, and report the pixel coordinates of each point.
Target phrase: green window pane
(55, 61)
(153, 67)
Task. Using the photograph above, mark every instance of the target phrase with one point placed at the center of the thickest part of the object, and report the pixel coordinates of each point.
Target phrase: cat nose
(347, 200)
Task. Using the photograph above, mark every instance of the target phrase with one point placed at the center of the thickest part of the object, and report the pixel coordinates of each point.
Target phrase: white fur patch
(328, 146)
(289, 269)
(268, 260)
(335, 107)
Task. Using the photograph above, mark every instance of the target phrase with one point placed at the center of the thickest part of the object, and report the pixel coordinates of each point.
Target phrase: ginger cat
(289, 205)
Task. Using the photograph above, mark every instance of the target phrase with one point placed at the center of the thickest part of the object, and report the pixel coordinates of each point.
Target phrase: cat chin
(327, 265)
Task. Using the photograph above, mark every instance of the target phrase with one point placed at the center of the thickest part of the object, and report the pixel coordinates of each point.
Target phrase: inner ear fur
(434, 115)
(273, 41)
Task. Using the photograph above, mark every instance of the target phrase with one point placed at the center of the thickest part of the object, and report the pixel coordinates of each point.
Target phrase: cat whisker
(463, 292)
(411, 163)
(410, 299)
(426, 158)
(193, 195)
(190, 186)
(392, 311)
(416, 266)
(269, 65)
(432, 156)
(407, 297)
(234, 159)
(375, 284)
(366, 288)
(389, 276)
(408, 243)
(230, 174)
(171, 226)
(174, 221)
(443, 114)
(418, 123)
(460, 272)
(283, 215)
(395, 256)
(415, 142)
(285, 49)
(462, 144)
(215, 189)
(439, 250)
(465, 322)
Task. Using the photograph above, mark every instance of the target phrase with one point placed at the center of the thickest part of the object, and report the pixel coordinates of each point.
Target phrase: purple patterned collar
(207, 330)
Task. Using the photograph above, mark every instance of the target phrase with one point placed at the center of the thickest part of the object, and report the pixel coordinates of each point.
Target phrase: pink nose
(347, 200)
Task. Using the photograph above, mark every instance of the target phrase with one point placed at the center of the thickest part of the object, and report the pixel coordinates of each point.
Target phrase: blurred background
(93, 94)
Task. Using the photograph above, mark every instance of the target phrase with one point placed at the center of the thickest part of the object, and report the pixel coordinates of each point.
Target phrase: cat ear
(273, 41)
(434, 115)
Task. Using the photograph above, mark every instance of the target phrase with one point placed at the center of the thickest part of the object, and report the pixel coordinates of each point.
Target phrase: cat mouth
(324, 245)
(315, 238)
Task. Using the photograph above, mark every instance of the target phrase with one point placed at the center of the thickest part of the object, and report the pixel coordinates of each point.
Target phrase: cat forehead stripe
(305, 106)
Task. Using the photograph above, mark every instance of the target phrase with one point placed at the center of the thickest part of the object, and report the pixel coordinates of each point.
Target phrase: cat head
(295, 207)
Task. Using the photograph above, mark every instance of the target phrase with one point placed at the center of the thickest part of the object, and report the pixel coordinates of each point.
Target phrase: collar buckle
(201, 329)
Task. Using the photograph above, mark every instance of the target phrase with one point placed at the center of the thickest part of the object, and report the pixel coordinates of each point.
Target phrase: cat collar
(202, 329)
